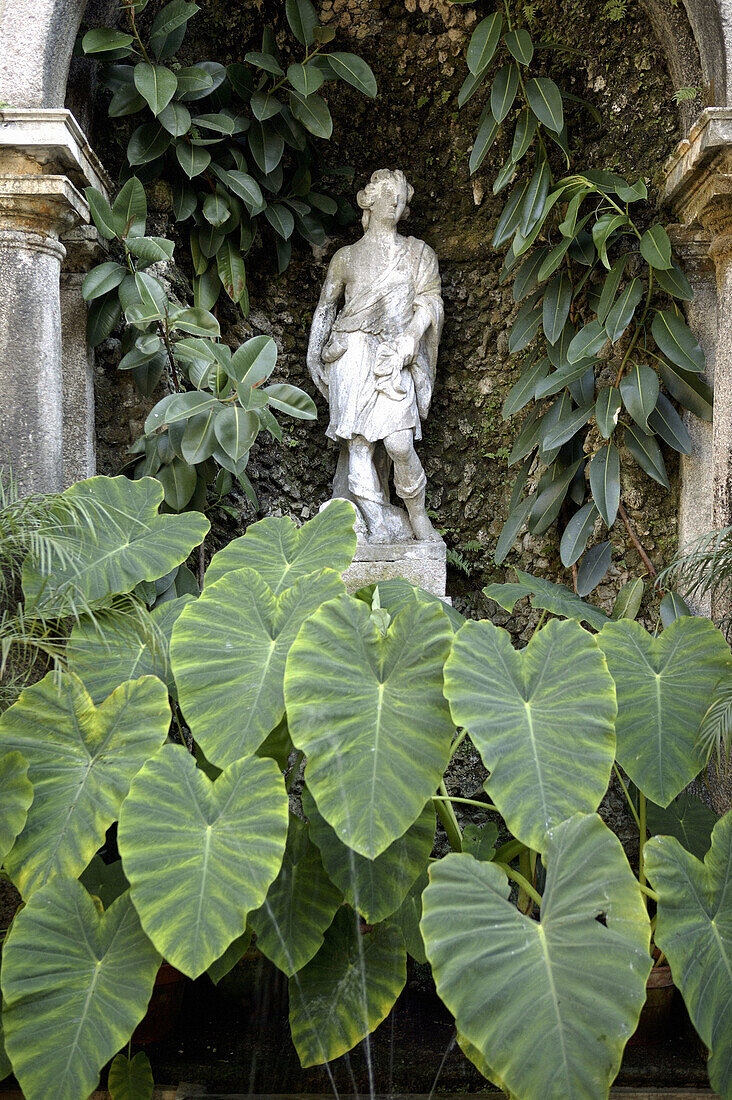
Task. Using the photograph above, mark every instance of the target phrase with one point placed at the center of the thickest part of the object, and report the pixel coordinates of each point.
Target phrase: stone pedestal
(38, 205)
(420, 563)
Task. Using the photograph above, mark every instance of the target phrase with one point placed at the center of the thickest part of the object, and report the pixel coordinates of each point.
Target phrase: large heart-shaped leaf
(546, 595)
(300, 904)
(374, 887)
(116, 648)
(664, 686)
(131, 1078)
(579, 974)
(378, 738)
(5, 1067)
(228, 655)
(81, 760)
(282, 553)
(541, 719)
(199, 855)
(75, 984)
(694, 930)
(113, 539)
(346, 991)
(688, 819)
(16, 795)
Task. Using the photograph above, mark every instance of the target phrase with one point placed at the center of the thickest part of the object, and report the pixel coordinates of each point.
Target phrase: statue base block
(420, 563)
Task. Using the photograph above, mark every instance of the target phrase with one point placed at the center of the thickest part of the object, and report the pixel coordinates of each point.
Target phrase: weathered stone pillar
(37, 205)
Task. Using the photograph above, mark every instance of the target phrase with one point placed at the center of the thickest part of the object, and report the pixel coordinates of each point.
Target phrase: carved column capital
(36, 210)
(698, 184)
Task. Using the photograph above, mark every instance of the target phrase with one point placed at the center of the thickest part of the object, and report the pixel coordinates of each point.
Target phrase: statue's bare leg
(410, 482)
(364, 487)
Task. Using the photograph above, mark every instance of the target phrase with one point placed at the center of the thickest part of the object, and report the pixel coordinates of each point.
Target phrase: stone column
(34, 211)
(83, 251)
(45, 162)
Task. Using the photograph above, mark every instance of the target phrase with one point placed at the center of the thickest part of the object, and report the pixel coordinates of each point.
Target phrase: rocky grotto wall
(416, 48)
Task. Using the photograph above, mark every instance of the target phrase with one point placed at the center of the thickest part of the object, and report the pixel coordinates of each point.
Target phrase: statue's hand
(407, 349)
(318, 373)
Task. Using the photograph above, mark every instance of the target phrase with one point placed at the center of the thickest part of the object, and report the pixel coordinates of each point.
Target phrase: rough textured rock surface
(416, 48)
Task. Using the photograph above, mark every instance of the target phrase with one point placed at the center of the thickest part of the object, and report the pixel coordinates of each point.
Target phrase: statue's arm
(323, 318)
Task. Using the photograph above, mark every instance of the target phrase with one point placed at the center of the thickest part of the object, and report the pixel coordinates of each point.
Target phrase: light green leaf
(156, 84)
(253, 361)
(105, 40)
(150, 249)
(282, 553)
(676, 340)
(205, 852)
(80, 768)
(199, 322)
(346, 991)
(101, 213)
(16, 796)
(663, 686)
(628, 600)
(118, 648)
(299, 907)
(236, 430)
(520, 706)
(375, 888)
(243, 631)
(131, 1078)
(386, 725)
(520, 969)
(694, 930)
(82, 977)
(557, 598)
(127, 542)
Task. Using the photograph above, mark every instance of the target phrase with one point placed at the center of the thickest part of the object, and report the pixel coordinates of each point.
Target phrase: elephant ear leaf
(113, 539)
(93, 974)
(593, 927)
(663, 686)
(519, 708)
(81, 760)
(377, 740)
(16, 795)
(356, 977)
(694, 930)
(282, 553)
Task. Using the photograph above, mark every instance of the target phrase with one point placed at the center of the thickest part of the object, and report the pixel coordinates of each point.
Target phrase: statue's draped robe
(361, 402)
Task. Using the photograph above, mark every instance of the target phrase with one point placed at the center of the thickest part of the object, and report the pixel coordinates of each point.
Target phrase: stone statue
(375, 361)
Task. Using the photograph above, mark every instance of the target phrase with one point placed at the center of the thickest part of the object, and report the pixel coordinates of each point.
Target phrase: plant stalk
(449, 821)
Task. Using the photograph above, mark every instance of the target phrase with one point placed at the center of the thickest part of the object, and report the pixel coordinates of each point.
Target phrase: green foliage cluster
(225, 138)
(540, 946)
(597, 338)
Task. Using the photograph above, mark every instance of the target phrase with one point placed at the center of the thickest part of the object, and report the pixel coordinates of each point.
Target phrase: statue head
(387, 193)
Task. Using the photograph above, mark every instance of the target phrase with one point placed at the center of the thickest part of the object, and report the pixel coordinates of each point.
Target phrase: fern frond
(714, 737)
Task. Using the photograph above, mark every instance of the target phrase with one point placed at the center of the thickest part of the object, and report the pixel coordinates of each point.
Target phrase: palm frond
(703, 569)
(714, 737)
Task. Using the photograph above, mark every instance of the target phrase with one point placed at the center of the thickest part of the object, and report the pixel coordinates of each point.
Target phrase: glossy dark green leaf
(194, 82)
(470, 86)
(676, 340)
(483, 42)
(231, 270)
(548, 502)
(303, 19)
(236, 430)
(504, 177)
(485, 137)
(628, 600)
(523, 391)
(621, 313)
(526, 325)
(647, 453)
(566, 426)
(355, 71)
(527, 275)
(607, 410)
(147, 143)
(689, 390)
(312, 111)
(503, 91)
(125, 101)
(520, 45)
(267, 146)
(103, 315)
(517, 517)
(686, 818)
(673, 606)
(655, 248)
(593, 567)
(527, 438)
(178, 480)
(281, 219)
(610, 288)
(510, 216)
(533, 205)
(674, 282)
(105, 40)
(523, 134)
(666, 422)
(565, 376)
(560, 407)
(589, 341)
(639, 390)
(605, 482)
(545, 101)
(557, 300)
(156, 84)
(576, 534)
(265, 61)
(102, 279)
(192, 158)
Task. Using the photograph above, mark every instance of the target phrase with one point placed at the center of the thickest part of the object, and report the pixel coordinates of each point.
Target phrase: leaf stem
(449, 821)
(520, 881)
(636, 541)
(648, 892)
(465, 802)
(625, 792)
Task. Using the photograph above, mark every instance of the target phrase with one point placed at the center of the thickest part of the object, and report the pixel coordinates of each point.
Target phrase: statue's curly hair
(367, 196)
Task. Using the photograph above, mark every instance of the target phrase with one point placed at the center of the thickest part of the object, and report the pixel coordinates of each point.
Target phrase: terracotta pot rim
(660, 977)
